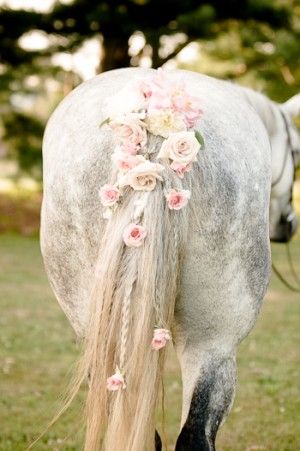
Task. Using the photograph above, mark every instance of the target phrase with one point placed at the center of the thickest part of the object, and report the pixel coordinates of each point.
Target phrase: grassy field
(38, 348)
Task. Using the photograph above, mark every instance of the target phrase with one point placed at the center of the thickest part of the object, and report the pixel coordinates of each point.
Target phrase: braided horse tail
(137, 270)
(134, 292)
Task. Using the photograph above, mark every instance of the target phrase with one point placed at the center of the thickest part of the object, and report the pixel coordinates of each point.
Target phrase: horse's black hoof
(158, 443)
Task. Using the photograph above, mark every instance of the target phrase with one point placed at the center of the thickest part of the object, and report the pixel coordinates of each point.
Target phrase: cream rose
(181, 147)
(162, 122)
(142, 177)
(128, 99)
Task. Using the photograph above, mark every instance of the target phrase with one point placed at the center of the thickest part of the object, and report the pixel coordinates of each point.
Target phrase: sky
(36, 5)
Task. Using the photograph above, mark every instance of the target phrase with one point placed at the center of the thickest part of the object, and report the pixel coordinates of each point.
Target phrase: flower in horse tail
(160, 338)
(160, 106)
(130, 133)
(116, 381)
(177, 199)
(109, 195)
(134, 235)
(143, 177)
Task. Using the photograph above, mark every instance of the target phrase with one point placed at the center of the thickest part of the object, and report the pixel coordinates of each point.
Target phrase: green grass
(38, 348)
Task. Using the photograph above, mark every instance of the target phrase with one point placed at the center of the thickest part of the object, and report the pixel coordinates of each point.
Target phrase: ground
(38, 350)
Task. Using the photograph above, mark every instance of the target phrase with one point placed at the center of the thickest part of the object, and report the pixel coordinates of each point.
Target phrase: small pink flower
(125, 161)
(162, 92)
(134, 235)
(181, 168)
(109, 195)
(146, 88)
(130, 132)
(160, 338)
(154, 84)
(192, 113)
(129, 148)
(115, 382)
(177, 199)
(159, 100)
(187, 105)
(156, 91)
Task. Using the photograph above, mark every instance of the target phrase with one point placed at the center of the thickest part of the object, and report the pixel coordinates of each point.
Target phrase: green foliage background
(255, 42)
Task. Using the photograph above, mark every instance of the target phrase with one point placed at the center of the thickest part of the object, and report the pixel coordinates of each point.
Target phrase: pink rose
(115, 382)
(159, 100)
(163, 92)
(146, 88)
(157, 82)
(129, 147)
(191, 117)
(125, 161)
(160, 338)
(156, 91)
(181, 168)
(109, 195)
(181, 147)
(134, 235)
(184, 103)
(177, 199)
(178, 94)
(143, 177)
(130, 132)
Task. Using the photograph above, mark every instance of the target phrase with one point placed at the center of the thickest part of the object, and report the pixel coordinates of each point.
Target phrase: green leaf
(106, 121)
(199, 138)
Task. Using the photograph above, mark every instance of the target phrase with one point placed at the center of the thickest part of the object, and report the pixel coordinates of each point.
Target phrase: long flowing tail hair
(134, 291)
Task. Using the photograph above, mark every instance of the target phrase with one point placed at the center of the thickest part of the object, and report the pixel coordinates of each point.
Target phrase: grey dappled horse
(245, 172)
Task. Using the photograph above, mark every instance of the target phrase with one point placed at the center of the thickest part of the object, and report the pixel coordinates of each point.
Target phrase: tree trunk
(115, 53)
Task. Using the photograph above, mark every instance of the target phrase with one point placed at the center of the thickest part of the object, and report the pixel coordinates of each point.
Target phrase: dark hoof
(158, 443)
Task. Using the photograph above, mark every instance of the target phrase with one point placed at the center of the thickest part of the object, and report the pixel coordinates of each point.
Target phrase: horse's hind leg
(207, 400)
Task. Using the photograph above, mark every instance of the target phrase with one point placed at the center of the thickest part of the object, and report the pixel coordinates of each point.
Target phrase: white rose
(128, 99)
(162, 122)
(181, 147)
(143, 177)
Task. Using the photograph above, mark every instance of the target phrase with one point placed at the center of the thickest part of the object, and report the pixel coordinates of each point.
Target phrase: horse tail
(134, 291)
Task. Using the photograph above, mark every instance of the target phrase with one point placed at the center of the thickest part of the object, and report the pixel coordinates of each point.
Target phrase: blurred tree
(256, 54)
(117, 20)
(68, 25)
(24, 77)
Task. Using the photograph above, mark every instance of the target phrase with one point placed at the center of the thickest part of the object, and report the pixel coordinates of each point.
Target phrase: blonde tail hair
(134, 291)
